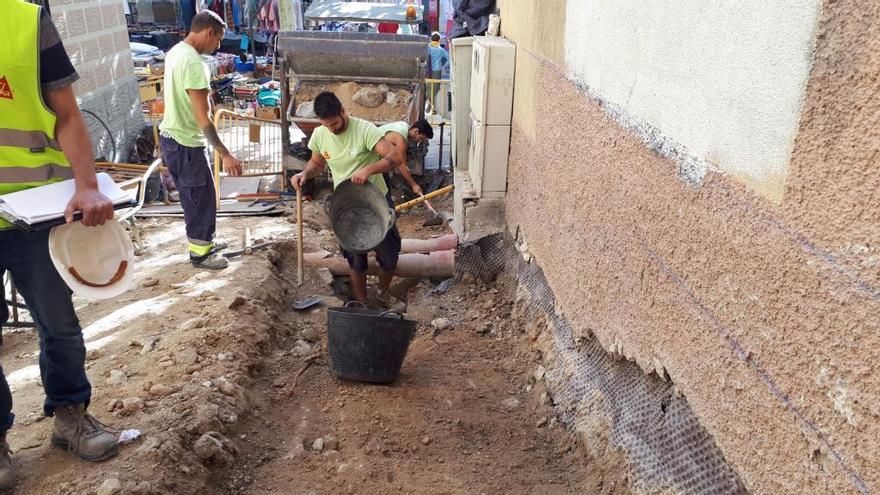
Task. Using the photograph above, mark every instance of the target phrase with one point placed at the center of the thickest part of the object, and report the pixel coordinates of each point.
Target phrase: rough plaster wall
(828, 191)
(766, 328)
(550, 14)
(95, 35)
(725, 80)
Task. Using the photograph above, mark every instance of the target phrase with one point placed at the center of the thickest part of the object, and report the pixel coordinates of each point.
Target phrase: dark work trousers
(195, 182)
(62, 349)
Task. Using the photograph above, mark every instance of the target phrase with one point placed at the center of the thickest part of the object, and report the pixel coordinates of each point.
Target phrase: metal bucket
(360, 216)
(366, 345)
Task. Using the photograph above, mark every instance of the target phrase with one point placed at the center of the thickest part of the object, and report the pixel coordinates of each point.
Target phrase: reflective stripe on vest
(42, 173)
(29, 152)
(34, 141)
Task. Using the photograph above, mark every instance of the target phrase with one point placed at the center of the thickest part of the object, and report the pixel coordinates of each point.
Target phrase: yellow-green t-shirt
(350, 151)
(400, 127)
(184, 69)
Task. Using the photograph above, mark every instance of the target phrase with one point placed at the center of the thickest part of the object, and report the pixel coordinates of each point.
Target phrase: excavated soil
(465, 416)
(345, 91)
(230, 387)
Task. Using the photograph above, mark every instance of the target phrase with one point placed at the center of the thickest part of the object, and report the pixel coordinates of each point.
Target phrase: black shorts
(387, 253)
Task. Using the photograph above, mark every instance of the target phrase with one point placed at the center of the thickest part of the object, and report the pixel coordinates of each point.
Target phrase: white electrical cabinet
(487, 157)
(462, 49)
(491, 105)
(492, 73)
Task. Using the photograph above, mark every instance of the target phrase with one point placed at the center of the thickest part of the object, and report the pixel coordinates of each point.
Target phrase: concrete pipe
(442, 243)
(412, 265)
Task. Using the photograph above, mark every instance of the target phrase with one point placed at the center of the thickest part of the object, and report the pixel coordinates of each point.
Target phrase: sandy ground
(230, 387)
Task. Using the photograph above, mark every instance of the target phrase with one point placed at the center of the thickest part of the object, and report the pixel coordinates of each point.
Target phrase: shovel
(434, 220)
(423, 198)
(301, 304)
(299, 237)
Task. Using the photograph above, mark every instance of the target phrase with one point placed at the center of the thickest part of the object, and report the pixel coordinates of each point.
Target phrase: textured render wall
(95, 35)
(724, 80)
(763, 315)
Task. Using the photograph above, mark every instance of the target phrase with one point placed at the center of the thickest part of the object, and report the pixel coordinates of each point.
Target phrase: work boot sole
(64, 444)
(199, 264)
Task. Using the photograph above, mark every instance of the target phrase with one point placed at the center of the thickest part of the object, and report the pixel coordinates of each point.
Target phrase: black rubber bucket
(360, 216)
(366, 345)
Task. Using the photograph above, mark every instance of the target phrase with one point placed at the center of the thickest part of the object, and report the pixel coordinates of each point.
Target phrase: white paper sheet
(48, 202)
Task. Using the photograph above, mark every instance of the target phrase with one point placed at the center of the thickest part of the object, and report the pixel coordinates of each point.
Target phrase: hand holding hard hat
(95, 262)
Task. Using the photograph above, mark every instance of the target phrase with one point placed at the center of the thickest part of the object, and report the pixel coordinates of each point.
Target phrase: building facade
(709, 170)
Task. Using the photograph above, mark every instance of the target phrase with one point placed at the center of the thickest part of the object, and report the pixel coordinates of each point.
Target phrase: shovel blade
(306, 303)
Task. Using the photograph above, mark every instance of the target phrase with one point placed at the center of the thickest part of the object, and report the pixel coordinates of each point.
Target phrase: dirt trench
(211, 368)
(465, 416)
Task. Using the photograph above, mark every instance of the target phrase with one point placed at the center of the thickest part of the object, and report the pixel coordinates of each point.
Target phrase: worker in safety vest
(43, 139)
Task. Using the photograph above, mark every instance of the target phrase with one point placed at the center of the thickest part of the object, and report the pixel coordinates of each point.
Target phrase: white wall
(724, 79)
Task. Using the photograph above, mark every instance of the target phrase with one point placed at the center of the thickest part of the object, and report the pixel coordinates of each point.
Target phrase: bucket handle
(355, 304)
(390, 314)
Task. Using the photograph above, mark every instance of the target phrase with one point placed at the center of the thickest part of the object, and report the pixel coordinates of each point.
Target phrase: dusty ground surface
(231, 388)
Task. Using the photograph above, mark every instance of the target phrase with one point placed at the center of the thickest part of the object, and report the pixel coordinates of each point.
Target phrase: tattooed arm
(202, 111)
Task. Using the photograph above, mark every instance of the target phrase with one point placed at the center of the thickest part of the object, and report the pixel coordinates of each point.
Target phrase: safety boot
(82, 434)
(212, 261)
(8, 475)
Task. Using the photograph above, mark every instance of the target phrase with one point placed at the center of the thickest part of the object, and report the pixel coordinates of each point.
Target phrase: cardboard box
(268, 113)
(148, 91)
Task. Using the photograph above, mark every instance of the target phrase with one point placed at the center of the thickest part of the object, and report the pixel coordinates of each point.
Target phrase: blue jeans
(62, 348)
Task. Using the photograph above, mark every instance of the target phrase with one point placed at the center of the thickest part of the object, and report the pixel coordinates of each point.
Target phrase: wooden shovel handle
(116, 278)
(299, 237)
(433, 194)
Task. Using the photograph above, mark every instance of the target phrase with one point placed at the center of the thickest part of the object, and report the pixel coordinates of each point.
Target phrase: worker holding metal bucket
(350, 147)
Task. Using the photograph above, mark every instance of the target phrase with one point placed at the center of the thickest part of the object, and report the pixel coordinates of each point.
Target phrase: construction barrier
(437, 97)
(255, 142)
(439, 114)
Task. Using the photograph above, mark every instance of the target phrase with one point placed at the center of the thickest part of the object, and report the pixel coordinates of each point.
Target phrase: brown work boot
(82, 434)
(8, 476)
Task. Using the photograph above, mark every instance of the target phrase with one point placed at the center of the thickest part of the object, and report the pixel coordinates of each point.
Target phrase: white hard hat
(95, 262)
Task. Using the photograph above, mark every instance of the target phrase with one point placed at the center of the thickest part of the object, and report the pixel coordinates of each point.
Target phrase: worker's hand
(231, 165)
(361, 177)
(95, 207)
(298, 180)
(417, 189)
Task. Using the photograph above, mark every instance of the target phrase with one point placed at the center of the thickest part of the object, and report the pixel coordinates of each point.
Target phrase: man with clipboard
(43, 139)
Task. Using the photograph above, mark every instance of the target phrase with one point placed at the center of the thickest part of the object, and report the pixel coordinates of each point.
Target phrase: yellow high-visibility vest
(30, 156)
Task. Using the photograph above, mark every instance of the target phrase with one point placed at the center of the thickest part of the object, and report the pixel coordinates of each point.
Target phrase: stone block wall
(95, 35)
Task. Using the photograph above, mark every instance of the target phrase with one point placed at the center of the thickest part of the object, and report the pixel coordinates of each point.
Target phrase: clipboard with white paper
(42, 207)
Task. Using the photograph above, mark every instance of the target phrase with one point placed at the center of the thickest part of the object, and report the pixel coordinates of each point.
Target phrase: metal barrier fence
(439, 115)
(255, 142)
(437, 96)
